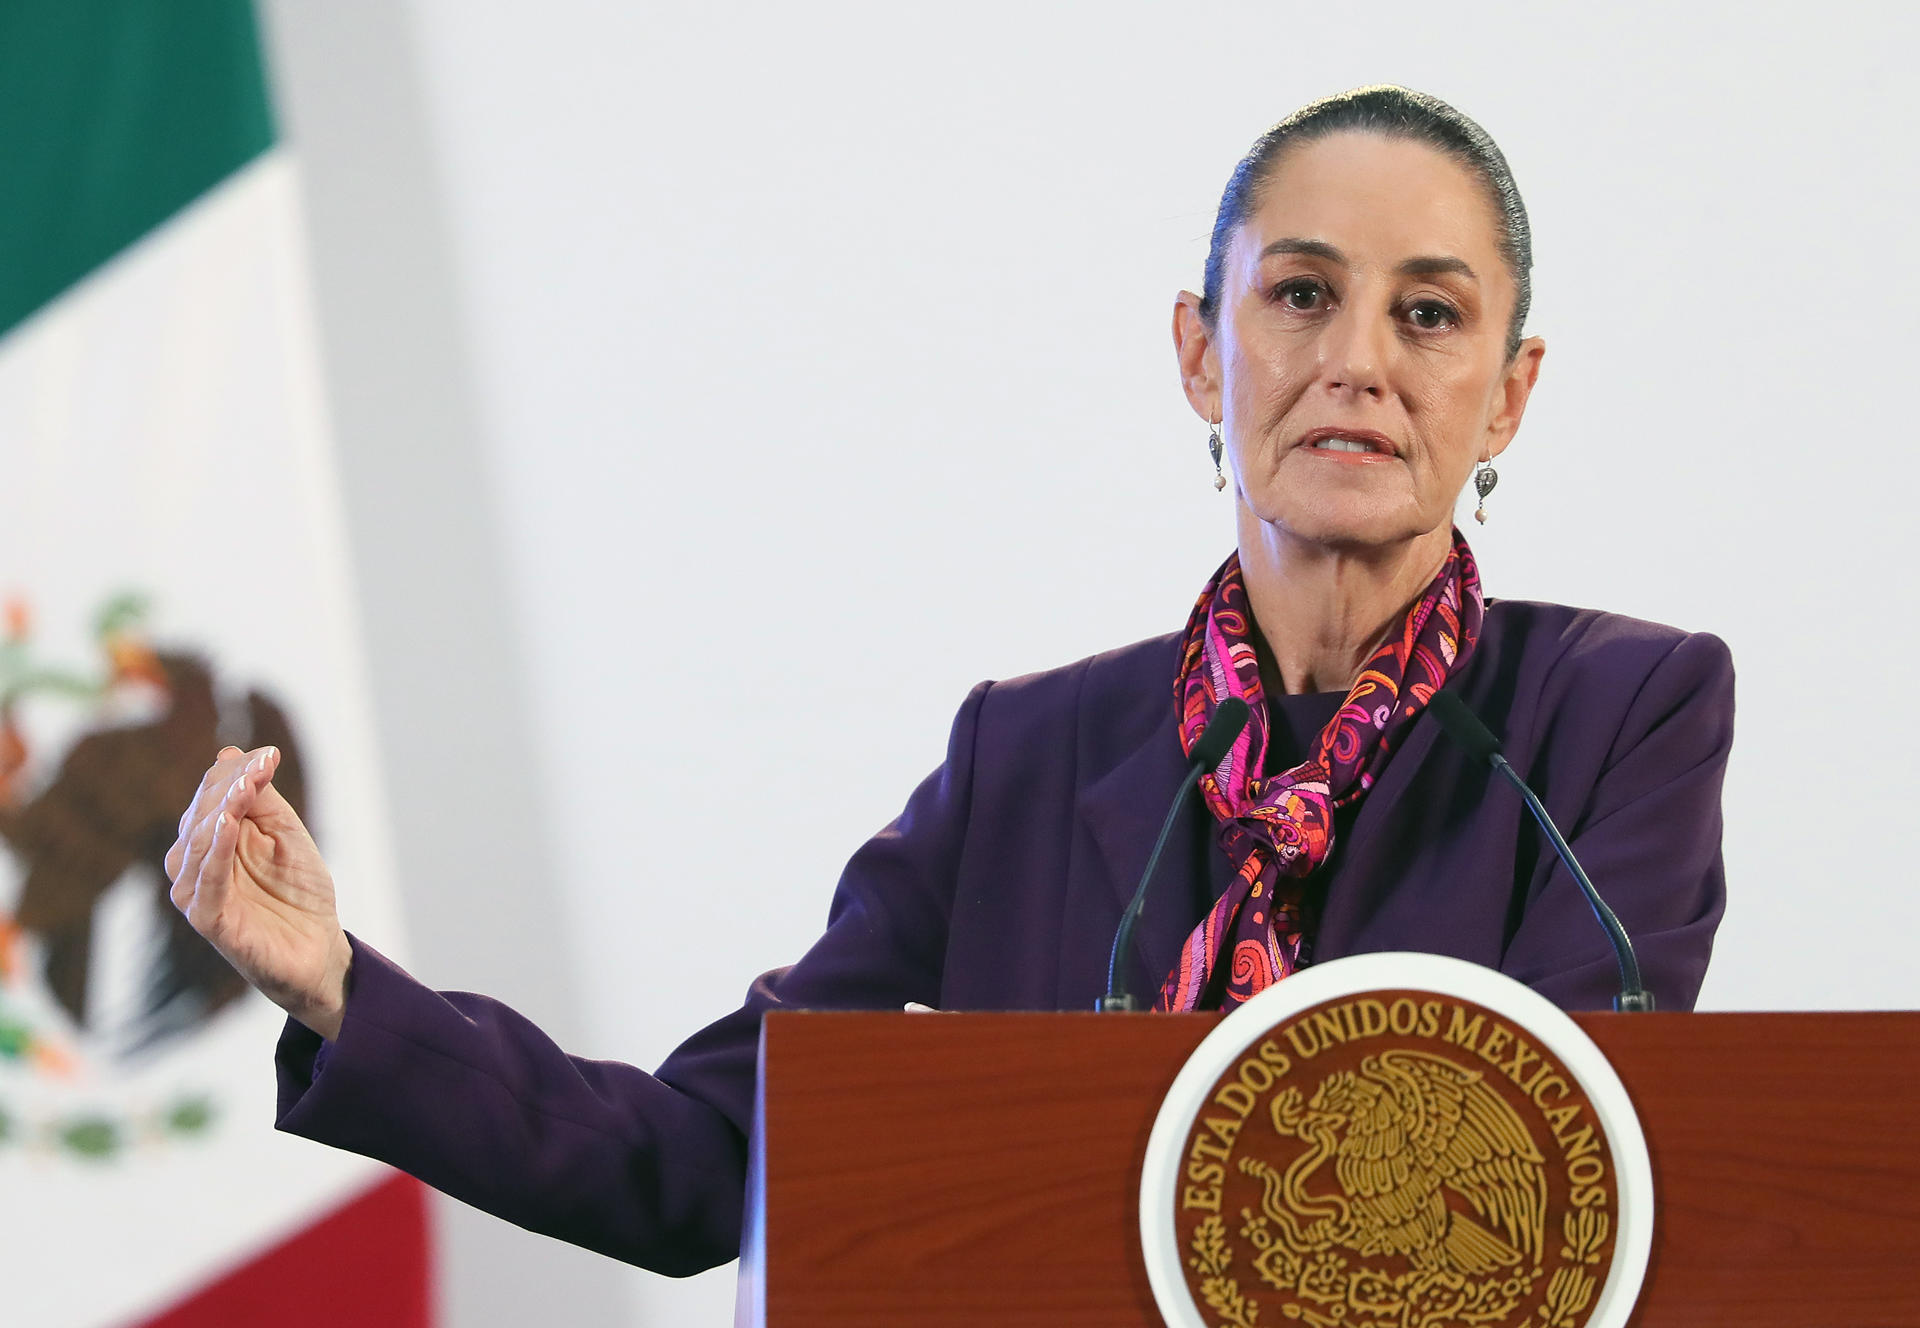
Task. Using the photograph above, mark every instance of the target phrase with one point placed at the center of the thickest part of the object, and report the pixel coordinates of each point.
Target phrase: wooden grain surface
(972, 1169)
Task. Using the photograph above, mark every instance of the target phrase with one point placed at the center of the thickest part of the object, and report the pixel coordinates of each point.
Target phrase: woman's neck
(1320, 613)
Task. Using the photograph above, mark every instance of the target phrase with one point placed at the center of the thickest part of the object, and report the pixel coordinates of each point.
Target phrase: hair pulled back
(1391, 112)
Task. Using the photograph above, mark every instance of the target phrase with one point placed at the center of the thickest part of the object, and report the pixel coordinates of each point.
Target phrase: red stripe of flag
(368, 1263)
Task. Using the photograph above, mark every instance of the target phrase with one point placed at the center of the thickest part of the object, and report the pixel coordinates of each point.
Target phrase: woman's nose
(1354, 350)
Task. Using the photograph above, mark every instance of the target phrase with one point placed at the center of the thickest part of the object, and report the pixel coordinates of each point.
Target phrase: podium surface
(984, 1168)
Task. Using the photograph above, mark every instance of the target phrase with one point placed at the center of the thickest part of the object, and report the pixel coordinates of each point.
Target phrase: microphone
(1465, 728)
(1229, 717)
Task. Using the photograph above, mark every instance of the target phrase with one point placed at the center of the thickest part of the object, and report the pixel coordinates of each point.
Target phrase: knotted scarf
(1276, 830)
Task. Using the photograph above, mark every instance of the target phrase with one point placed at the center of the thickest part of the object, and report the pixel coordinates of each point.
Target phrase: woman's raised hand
(248, 877)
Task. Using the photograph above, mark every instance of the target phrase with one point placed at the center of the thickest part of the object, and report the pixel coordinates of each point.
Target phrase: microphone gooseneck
(1229, 717)
(1465, 728)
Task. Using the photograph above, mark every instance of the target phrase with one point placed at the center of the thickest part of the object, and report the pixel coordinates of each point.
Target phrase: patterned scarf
(1277, 830)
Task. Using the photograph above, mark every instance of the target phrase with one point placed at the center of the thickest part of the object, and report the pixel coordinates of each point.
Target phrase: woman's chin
(1343, 523)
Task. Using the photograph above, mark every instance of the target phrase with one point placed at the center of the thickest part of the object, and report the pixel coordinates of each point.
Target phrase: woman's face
(1363, 304)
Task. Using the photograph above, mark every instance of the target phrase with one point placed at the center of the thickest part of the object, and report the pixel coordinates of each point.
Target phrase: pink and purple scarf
(1277, 830)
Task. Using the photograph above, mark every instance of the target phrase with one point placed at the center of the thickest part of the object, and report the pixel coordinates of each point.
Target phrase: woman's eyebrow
(1427, 265)
(1434, 264)
(1312, 248)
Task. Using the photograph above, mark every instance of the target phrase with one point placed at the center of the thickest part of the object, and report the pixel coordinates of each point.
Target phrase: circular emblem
(1397, 1141)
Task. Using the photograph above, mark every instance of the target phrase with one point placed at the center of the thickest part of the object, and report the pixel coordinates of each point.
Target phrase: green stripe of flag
(115, 114)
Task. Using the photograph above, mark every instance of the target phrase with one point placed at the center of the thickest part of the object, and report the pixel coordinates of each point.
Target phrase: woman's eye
(1300, 294)
(1432, 316)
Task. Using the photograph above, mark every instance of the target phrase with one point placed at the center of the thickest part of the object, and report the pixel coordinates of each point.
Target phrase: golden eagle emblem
(1395, 1160)
(1402, 1132)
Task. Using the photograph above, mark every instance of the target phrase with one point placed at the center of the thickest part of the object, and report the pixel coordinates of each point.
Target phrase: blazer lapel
(1122, 811)
(1377, 852)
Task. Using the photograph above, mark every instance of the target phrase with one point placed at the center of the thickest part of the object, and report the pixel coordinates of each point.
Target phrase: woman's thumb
(270, 809)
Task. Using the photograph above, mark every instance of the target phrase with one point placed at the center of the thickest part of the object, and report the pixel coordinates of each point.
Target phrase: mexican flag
(173, 578)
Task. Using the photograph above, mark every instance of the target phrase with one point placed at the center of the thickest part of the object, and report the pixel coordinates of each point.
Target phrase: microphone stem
(1117, 997)
(1632, 997)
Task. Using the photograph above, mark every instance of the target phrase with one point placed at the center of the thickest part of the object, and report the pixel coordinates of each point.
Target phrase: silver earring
(1214, 446)
(1484, 478)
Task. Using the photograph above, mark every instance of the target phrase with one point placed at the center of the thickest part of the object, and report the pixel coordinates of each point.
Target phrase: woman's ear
(1199, 362)
(1510, 400)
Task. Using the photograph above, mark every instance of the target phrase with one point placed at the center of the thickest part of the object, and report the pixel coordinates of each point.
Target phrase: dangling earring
(1214, 446)
(1484, 478)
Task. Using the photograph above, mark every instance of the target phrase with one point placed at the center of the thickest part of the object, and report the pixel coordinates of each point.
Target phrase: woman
(1356, 353)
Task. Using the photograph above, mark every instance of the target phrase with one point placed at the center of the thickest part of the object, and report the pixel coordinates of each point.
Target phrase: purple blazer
(999, 888)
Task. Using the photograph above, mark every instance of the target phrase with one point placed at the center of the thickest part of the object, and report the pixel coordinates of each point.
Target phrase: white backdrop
(787, 331)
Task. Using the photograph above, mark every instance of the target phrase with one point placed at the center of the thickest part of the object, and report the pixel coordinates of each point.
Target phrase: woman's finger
(197, 845)
(213, 785)
(253, 774)
(218, 775)
(244, 793)
(216, 870)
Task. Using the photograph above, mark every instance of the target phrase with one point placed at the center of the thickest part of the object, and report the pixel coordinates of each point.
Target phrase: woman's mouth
(1349, 443)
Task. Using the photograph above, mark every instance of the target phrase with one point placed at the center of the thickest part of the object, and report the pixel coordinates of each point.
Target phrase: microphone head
(1229, 717)
(1463, 726)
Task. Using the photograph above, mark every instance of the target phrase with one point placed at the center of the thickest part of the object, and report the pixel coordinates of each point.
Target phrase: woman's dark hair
(1391, 112)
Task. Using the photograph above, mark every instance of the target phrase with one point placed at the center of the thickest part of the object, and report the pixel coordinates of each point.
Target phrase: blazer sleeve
(470, 1097)
(1648, 835)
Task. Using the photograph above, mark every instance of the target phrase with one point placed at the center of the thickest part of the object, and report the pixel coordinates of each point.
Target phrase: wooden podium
(970, 1169)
